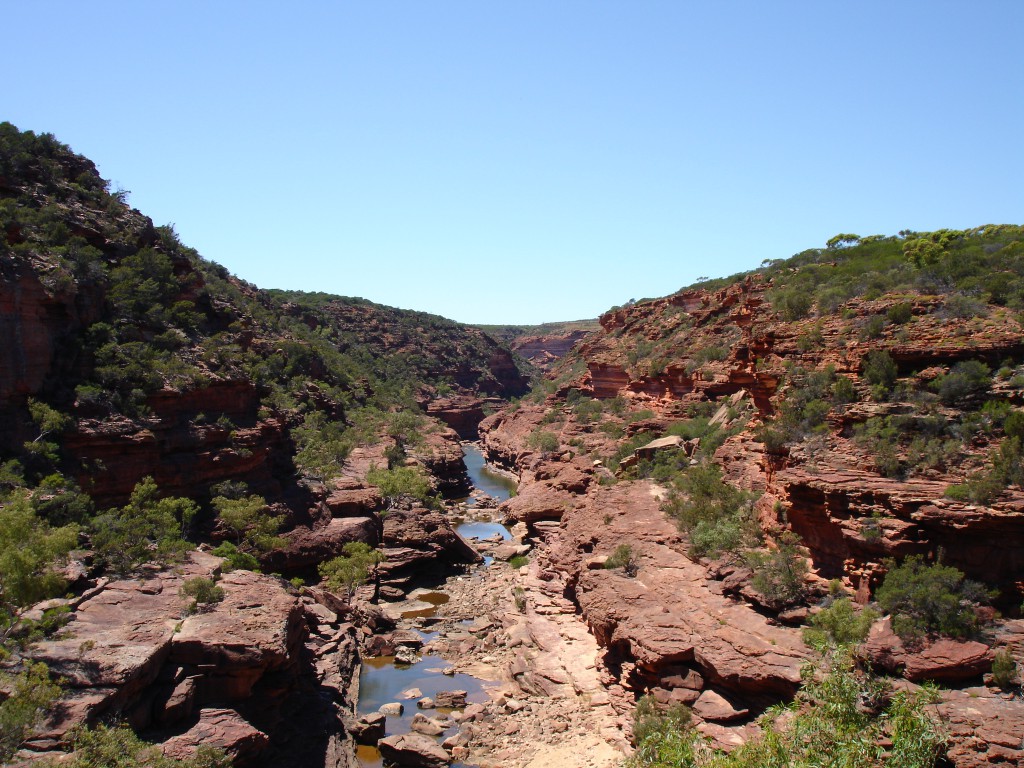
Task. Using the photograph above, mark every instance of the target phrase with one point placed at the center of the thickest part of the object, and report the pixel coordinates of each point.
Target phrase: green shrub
(839, 718)
(543, 441)
(929, 599)
(843, 391)
(402, 481)
(202, 592)
(236, 560)
(968, 378)
(1013, 425)
(841, 623)
(873, 328)
(29, 697)
(622, 558)
(250, 521)
(900, 313)
(717, 516)
(779, 574)
(1004, 669)
(118, 747)
(518, 561)
(879, 369)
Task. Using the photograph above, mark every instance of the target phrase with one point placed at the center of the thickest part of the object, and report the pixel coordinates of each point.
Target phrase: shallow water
(494, 484)
(381, 682)
(434, 597)
(477, 530)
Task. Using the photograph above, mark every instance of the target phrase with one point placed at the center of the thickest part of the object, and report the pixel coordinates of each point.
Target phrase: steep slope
(260, 421)
(168, 366)
(544, 344)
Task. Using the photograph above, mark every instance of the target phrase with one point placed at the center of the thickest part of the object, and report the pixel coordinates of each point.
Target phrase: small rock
(450, 699)
(412, 693)
(423, 724)
(406, 655)
(395, 708)
(425, 703)
(369, 729)
(716, 708)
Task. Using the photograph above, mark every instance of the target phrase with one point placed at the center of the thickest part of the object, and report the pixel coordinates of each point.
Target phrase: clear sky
(523, 161)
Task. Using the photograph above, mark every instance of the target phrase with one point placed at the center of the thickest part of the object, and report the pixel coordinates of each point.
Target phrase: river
(381, 680)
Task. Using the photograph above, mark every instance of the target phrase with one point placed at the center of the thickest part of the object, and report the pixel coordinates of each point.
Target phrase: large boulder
(413, 749)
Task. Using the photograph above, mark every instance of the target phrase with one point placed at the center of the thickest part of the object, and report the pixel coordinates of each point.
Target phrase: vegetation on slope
(113, 325)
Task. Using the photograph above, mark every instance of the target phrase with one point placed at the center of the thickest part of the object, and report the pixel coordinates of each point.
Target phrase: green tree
(250, 521)
(147, 529)
(347, 571)
(402, 481)
(29, 551)
(929, 599)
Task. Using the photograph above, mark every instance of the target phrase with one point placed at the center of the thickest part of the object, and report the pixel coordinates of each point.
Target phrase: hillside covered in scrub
(150, 403)
(831, 442)
(758, 520)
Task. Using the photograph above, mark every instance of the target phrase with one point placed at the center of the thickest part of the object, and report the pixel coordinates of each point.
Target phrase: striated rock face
(227, 676)
(181, 456)
(544, 350)
(667, 628)
(460, 412)
(420, 544)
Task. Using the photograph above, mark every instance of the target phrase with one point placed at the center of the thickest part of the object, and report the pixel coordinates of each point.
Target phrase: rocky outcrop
(667, 627)
(939, 660)
(228, 675)
(544, 350)
(463, 413)
(421, 545)
(984, 729)
(184, 457)
(413, 749)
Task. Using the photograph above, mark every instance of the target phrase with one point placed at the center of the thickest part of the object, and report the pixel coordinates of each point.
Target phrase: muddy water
(381, 681)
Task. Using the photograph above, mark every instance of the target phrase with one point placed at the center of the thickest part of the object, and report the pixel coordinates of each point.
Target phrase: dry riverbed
(545, 706)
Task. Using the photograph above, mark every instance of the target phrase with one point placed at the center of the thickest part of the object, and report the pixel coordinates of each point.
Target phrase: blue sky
(528, 161)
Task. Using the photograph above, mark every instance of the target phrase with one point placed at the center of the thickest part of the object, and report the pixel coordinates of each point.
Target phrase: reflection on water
(432, 597)
(483, 531)
(381, 682)
(492, 483)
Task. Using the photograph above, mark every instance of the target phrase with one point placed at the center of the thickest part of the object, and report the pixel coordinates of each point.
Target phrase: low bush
(841, 623)
(968, 378)
(544, 441)
(202, 592)
(929, 600)
(623, 558)
(779, 573)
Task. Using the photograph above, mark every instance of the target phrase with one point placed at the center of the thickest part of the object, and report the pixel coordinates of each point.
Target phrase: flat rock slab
(668, 614)
(413, 749)
(221, 728)
(941, 661)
